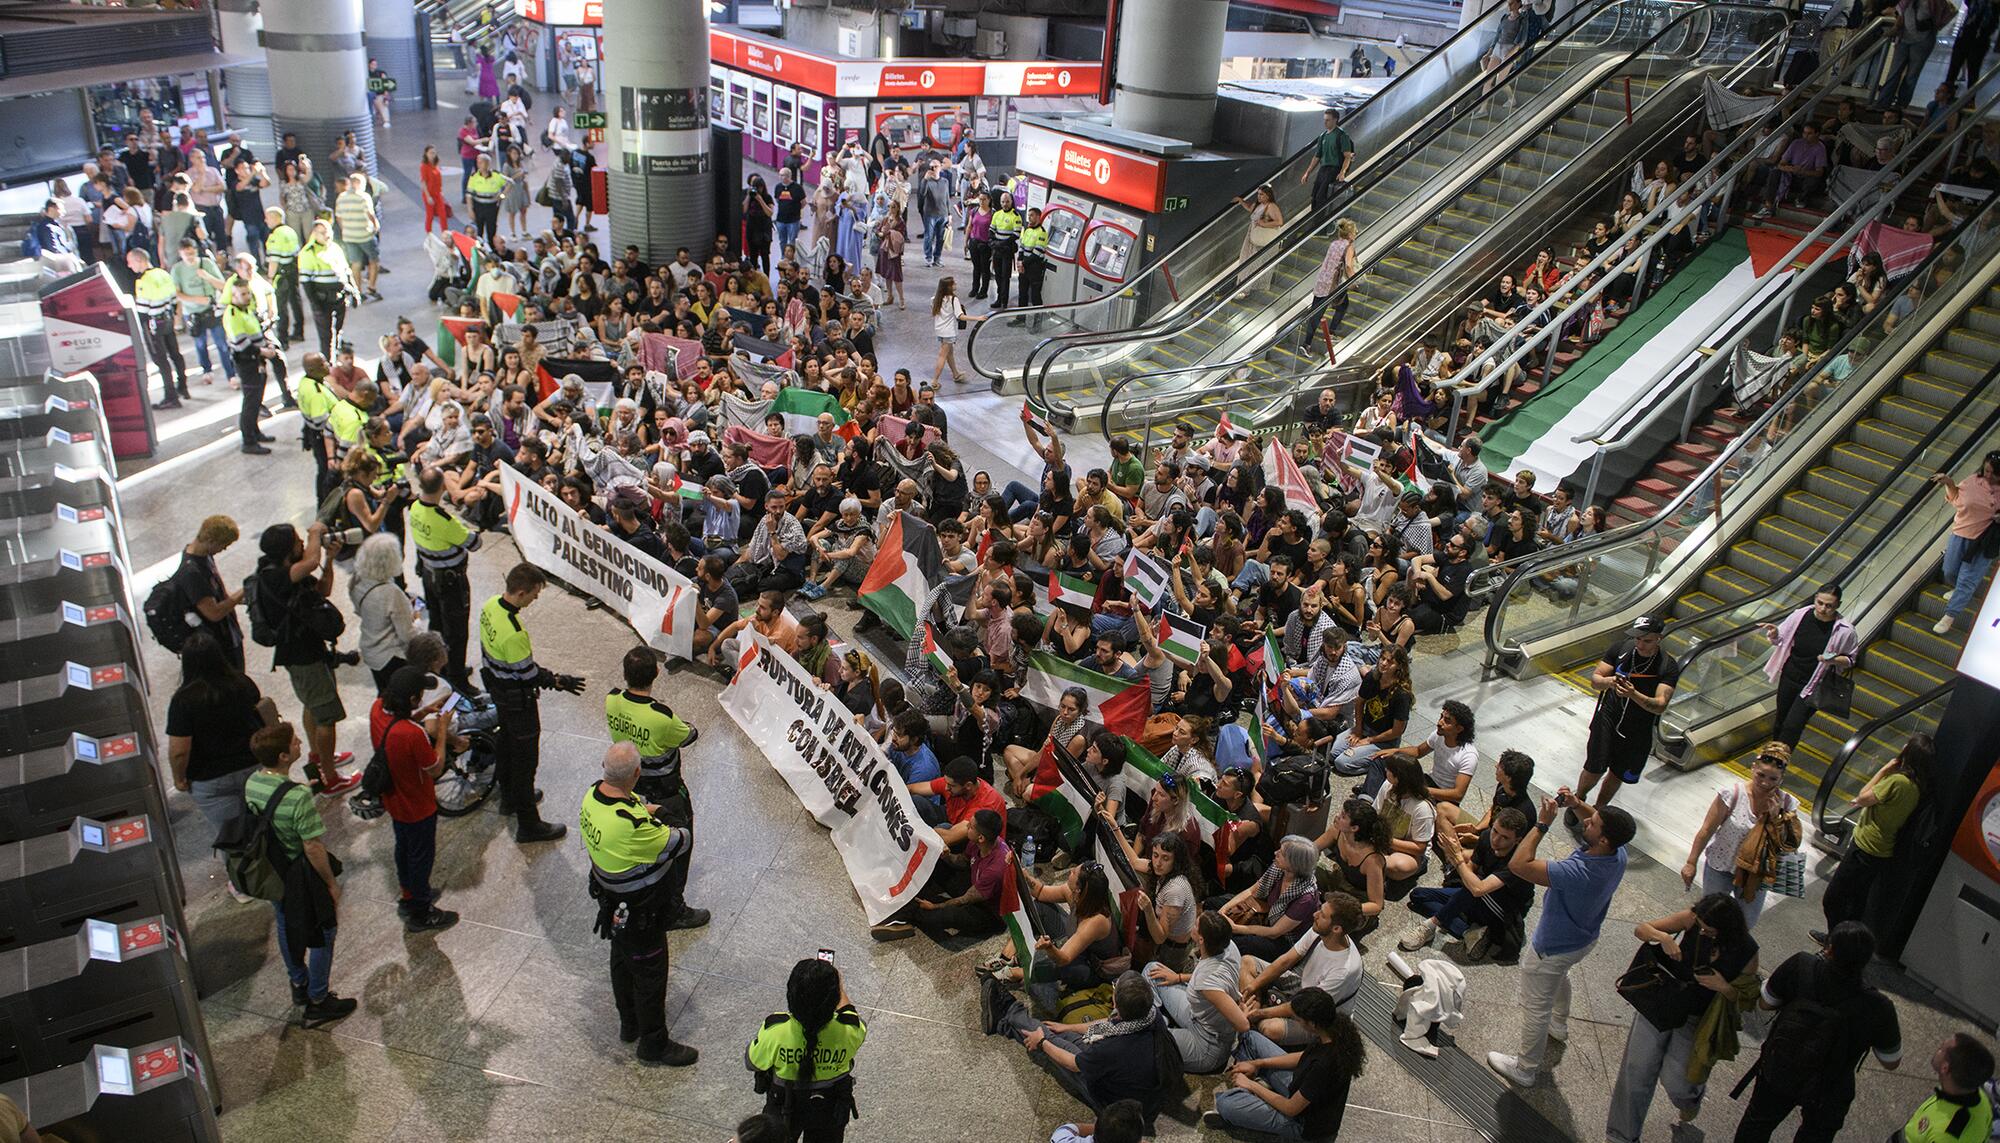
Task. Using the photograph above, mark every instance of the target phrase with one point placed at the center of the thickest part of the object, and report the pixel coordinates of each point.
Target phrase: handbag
(1262, 236)
(1834, 695)
(1789, 878)
(1651, 988)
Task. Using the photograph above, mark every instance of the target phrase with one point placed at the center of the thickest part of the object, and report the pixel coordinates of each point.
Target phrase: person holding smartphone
(1701, 953)
(819, 1024)
(1634, 683)
(1810, 642)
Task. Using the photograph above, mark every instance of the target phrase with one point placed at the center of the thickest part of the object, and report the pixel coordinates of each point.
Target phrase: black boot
(661, 1050)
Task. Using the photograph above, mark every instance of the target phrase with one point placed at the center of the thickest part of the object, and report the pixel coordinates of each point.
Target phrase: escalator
(1443, 221)
(1404, 119)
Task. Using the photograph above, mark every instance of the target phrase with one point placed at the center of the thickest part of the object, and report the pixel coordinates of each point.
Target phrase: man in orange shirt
(769, 620)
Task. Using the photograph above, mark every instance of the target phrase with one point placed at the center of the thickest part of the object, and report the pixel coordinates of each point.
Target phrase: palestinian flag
(766, 451)
(801, 409)
(1274, 658)
(1145, 578)
(1261, 712)
(1035, 418)
(470, 250)
(1065, 802)
(1181, 637)
(1227, 430)
(933, 654)
(1072, 591)
(906, 565)
(1143, 772)
(508, 304)
(1115, 704)
(451, 335)
(600, 378)
(1284, 472)
(1021, 932)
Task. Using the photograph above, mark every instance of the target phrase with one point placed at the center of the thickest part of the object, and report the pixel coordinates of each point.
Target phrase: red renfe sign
(893, 79)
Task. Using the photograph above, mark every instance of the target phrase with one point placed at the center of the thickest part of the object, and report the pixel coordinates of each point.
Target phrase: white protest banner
(655, 599)
(838, 772)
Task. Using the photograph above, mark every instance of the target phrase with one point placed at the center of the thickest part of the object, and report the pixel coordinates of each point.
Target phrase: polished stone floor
(503, 1026)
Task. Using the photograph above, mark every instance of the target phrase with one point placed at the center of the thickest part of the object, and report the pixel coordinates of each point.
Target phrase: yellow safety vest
(322, 263)
(442, 541)
(346, 423)
(1006, 225)
(630, 849)
(154, 293)
(1034, 242)
(242, 326)
(485, 187)
(316, 401)
(504, 646)
(282, 245)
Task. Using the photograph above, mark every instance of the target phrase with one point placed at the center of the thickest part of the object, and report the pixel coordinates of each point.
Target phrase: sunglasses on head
(1170, 782)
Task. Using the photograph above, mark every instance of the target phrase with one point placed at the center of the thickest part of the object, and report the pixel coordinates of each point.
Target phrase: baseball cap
(1648, 625)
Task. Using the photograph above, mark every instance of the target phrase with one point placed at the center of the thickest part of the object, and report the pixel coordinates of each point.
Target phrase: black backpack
(1801, 1045)
(265, 629)
(166, 610)
(1298, 780)
(376, 778)
(255, 861)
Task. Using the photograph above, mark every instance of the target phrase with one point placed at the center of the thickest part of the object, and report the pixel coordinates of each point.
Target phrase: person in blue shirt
(1580, 887)
(911, 754)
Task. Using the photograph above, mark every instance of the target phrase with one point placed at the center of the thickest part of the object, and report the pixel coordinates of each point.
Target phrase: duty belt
(446, 559)
(633, 880)
(662, 767)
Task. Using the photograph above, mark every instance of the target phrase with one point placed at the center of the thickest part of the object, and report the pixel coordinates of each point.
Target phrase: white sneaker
(1942, 626)
(1418, 936)
(1509, 1068)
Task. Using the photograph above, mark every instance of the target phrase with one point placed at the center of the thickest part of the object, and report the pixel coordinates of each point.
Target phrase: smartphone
(826, 955)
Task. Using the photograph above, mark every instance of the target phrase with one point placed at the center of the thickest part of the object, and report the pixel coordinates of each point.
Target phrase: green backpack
(251, 853)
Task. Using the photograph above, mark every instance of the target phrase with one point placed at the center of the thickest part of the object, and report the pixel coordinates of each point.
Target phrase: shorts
(318, 693)
(363, 252)
(1623, 755)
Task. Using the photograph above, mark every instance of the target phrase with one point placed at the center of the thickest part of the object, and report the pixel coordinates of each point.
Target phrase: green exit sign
(587, 120)
(1174, 202)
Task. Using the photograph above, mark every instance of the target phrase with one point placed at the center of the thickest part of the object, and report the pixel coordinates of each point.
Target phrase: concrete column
(247, 88)
(1169, 54)
(655, 102)
(319, 74)
(390, 29)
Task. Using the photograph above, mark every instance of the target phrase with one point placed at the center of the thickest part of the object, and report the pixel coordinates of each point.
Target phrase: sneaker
(328, 1009)
(1818, 936)
(892, 930)
(336, 789)
(689, 919)
(1418, 936)
(299, 997)
(1214, 1121)
(437, 920)
(1509, 1068)
(813, 591)
(1478, 942)
(166, 405)
(672, 1055)
(990, 996)
(1942, 626)
(1762, 212)
(540, 832)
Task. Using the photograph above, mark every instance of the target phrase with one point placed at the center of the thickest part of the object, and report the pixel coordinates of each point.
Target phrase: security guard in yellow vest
(631, 851)
(1034, 262)
(347, 424)
(328, 281)
(393, 472)
(249, 347)
(1006, 239)
(659, 735)
(515, 681)
(316, 404)
(244, 270)
(804, 1058)
(442, 542)
(484, 187)
(155, 296)
(281, 254)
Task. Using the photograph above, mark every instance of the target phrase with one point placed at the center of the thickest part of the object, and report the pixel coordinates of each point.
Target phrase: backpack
(1298, 780)
(251, 854)
(263, 631)
(166, 614)
(1800, 1045)
(376, 778)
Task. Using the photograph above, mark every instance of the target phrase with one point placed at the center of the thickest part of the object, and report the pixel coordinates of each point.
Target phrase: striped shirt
(355, 212)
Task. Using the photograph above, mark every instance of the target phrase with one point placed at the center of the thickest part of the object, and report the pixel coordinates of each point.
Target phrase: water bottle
(1028, 852)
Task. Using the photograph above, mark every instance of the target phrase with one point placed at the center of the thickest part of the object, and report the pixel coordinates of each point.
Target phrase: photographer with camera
(293, 614)
(515, 680)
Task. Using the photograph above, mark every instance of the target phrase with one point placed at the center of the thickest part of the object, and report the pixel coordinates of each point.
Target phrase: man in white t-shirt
(1453, 757)
(1323, 958)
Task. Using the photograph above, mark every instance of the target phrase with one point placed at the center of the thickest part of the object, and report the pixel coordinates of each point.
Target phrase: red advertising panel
(924, 78)
(1004, 77)
(797, 68)
(90, 327)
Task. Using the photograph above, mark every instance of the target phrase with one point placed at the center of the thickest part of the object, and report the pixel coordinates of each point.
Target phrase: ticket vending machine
(903, 123)
(761, 121)
(943, 122)
(718, 97)
(1065, 216)
(784, 119)
(1110, 259)
(739, 100)
(812, 132)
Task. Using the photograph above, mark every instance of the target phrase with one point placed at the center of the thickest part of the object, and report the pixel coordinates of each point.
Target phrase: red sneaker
(343, 786)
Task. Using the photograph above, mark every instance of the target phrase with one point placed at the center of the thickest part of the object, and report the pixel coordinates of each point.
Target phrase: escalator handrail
(1316, 221)
(1634, 532)
(1380, 163)
(1484, 366)
(1496, 158)
(1975, 444)
(1823, 794)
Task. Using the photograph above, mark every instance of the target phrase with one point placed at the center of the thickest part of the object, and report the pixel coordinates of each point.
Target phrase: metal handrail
(1483, 364)
(1823, 795)
(1580, 305)
(1975, 441)
(1633, 532)
(1496, 159)
(1378, 163)
(1441, 122)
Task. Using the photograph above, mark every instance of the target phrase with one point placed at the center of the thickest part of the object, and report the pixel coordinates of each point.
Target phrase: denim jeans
(1199, 1055)
(219, 799)
(1253, 574)
(1905, 66)
(1964, 568)
(1545, 1000)
(1651, 1056)
(317, 965)
(416, 852)
(213, 335)
(1240, 1108)
(788, 235)
(1019, 500)
(1353, 761)
(1446, 906)
(1715, 880)
(1204, 521)
(934, 229)
(254, 234)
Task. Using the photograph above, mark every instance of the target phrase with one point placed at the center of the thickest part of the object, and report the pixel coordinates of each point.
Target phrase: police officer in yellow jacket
(443, 543)
(155, 296)
(631, 852)
(316, 403)
(804, 1057)
(659, 735)
(328, 281)
(485, 188)
(515, 681)
(243, 269)
(281, 262)
(249, 347)
(1034, 262)
(1006, 240)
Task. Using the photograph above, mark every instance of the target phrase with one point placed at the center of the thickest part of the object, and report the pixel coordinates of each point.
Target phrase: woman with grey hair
(387, 618)
(842, 553)
(1269, 916)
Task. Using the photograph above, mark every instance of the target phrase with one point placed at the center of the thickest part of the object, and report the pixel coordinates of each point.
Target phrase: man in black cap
(1634, 682)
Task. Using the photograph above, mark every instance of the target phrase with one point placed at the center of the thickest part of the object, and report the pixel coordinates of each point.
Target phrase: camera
(350, 537)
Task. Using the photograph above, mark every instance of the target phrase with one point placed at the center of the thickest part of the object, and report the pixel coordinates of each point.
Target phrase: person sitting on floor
(1100, 1062)
(1324, 959)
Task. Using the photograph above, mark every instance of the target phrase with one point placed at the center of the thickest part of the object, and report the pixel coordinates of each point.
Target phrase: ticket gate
(156, 1092)
(40, 428)
(33, 509)
(40, 463)
(48, 393)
